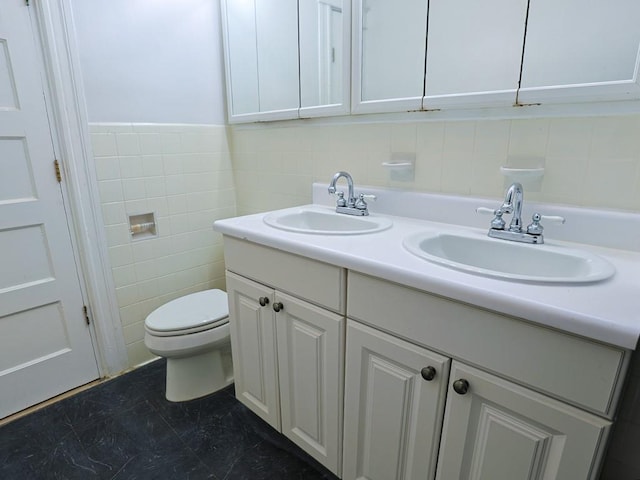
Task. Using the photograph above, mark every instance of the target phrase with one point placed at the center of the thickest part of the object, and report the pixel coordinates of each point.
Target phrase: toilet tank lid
(193, 310)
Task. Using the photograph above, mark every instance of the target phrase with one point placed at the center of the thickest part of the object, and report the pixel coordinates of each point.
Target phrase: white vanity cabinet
(577, 51)
(511, 415)
(288, 347)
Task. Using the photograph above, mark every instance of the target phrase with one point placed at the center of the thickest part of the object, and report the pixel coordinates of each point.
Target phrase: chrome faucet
(512, 204)
(351, 205)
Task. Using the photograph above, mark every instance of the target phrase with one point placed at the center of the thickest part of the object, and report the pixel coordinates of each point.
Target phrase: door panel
(253, 345)
(544, 438)
(393, 415)
(45, 344)
(311, 364)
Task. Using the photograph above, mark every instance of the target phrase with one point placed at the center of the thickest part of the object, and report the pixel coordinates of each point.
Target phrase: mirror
(392, 50)
(261, 55)
(324, 54)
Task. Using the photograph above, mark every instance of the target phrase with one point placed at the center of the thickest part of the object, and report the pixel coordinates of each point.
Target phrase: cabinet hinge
(85, 310)
(56, 166)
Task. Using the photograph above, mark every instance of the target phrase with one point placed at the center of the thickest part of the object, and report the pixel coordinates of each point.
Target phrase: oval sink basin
(321, 221)
(509, 260)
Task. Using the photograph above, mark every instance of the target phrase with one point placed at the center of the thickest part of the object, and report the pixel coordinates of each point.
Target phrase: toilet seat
(190, 314)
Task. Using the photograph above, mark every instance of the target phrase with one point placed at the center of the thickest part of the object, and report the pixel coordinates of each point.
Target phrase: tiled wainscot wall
(589, 161)
(183, 174)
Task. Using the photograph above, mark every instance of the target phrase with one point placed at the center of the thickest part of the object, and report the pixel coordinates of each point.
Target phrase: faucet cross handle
(535, 228)
(361, 204)
(498, 222)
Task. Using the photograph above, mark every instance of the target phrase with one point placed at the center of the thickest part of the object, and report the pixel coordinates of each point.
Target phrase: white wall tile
(107, 168)
(138, 353)
(133, 189)
(114, 213)
(131, 167)
(110, 191)
(457, 155)
(120, 255)
(152, 165)
(150, 143)
(127, 144)
(127, 295)
(124, 276)
(133, 333)
(152, 168)
(104, 144)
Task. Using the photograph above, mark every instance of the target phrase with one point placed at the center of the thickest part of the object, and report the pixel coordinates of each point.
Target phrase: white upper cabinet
(286, 59)
(261, 54)
(389, 41)
(325, 57)
(580, 51)
(474, 52)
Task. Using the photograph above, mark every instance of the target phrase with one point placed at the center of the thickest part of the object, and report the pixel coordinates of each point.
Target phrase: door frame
(64, 93)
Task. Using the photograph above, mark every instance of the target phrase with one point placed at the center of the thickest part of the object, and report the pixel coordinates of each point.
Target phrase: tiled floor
(126, 429)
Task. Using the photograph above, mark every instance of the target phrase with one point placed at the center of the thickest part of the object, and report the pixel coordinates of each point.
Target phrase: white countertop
(607, 311)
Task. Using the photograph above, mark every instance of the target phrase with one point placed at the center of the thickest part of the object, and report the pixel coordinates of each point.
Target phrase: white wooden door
(499, 430)
(392, 414)
(311, 363)
(45, 344)
(253, 346)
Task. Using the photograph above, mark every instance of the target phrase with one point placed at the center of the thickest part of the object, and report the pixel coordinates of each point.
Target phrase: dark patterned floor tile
(266, 461)
(67, 459)
(126, 429)
(179, 464)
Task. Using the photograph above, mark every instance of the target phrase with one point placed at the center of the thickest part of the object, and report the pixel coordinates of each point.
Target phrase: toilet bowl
(192, 332)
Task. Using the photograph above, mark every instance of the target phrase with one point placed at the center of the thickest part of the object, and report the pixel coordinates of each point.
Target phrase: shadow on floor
(126, 429)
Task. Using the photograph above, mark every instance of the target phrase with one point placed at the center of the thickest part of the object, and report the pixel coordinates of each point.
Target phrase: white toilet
(192, 332)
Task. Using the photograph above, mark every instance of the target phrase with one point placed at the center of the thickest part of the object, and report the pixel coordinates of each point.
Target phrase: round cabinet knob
(278, 306)
(428, 373)
(263, 301)
(461, 386)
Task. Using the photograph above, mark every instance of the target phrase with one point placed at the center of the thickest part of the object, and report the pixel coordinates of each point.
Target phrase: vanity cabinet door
(389, 41)
(496, 429)
(394, 401)
(310, 361)
(577, 51)
(261, 59)
(474, 53)
(253, 345)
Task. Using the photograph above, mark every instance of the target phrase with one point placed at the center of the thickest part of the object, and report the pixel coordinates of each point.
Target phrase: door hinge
(56, 166)
(85, 310)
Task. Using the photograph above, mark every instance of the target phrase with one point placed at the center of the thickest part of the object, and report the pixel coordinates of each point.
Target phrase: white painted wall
(151, 61)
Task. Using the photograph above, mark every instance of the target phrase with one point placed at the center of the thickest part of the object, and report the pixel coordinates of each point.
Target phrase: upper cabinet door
(388, 55)
(474, 52)
(581, 50)
(325, 57)
(261, 55)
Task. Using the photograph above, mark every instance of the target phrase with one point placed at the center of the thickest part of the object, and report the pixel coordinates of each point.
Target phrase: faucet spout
(351, 199)
(513, 204)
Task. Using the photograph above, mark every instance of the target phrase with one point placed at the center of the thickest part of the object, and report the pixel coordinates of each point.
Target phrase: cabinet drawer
(580, 371)
(308, 279)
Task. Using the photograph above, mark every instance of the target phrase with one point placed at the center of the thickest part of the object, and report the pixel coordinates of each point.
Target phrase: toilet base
(198, 375)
